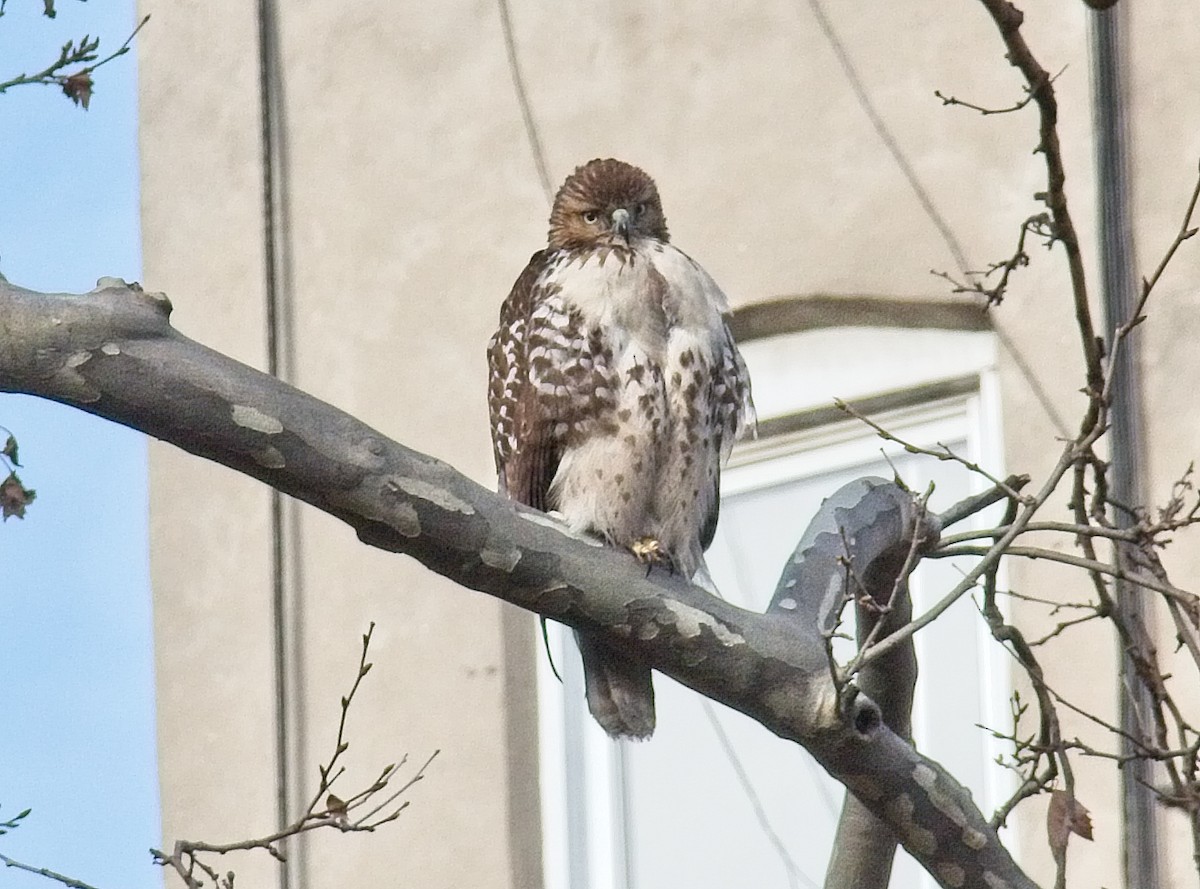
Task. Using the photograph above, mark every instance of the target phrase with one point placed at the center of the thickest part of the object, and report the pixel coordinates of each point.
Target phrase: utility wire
(925, 199)
(886, 136)
(518, 79)
(795, 875)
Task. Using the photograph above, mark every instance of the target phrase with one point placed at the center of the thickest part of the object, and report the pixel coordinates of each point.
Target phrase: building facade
(803, 159)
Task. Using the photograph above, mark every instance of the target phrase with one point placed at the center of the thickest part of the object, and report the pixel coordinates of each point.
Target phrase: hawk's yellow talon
(648, 550)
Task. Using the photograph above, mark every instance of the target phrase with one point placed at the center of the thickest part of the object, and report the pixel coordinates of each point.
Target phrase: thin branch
(341, 745)
(124, 48)
(1186, 232)
(46, 872)
(1063, 626)
(363, 823)
(332, 812)
(992, 556)
(943, 453)
(1036, 552)
(978, 502)
(1008, 20)
(1038, 224)
(1050, 731)
(1126, 534)
(951, 100)
(73, 53)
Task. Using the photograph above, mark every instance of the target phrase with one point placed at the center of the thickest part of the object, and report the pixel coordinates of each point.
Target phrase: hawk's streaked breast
(669, 406)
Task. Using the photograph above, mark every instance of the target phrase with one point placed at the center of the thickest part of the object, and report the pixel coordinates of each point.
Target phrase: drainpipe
(1110, 63)
(287, 611)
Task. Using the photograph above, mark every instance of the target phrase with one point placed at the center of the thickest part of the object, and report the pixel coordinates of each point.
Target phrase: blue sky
(77, 697)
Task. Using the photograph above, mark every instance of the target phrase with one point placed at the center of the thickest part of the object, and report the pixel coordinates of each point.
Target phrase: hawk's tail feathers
(620, 691)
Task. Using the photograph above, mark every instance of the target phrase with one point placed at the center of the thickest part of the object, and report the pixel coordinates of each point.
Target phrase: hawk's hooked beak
(620, 220)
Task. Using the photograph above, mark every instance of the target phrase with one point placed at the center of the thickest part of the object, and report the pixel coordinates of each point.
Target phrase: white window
(714, 799)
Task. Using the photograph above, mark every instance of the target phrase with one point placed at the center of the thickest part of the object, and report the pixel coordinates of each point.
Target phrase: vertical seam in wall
(286, 587)
(1127, 459)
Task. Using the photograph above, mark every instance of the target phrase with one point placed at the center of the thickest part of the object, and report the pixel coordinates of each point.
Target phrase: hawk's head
(606, 203)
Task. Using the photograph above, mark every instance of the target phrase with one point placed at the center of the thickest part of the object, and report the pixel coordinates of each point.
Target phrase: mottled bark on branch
(113, 353)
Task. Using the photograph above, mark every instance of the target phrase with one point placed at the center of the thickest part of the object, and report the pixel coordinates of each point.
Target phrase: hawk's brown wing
(731, 413)
(547, 380)
(523, 441)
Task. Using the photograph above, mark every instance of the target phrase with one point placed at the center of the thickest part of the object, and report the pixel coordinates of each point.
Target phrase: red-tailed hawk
(616, 392)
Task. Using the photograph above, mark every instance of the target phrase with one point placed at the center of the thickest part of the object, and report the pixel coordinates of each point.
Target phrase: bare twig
(1050, 733)
(325, 809)
(1065, 625)
(941, 452)
(1017, 106)
(46, 872)
(1186, 598)
(1186, 232)
(1030, 507)
(77, 85)
(1040, 225)
(1008, 20)
(340, 746)
(978, 502)
(1127, 534)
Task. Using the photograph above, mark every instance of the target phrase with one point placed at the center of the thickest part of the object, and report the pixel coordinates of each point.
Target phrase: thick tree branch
(864, 849)
(113, 353)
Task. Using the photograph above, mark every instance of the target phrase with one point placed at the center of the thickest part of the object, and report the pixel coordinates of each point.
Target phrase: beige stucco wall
(1166, 150)
(210, 568)
(415, 203)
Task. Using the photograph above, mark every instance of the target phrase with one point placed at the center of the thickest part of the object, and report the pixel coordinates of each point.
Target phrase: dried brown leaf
(14, 497)
(1066, 816)
(335, 805)
(78, 88)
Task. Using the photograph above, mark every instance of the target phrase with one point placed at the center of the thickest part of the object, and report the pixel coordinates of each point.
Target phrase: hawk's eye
(591, 217)
(639, 209)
